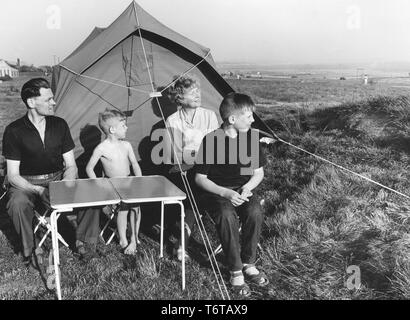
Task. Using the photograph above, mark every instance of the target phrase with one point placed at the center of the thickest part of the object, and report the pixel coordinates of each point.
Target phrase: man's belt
(47, 176)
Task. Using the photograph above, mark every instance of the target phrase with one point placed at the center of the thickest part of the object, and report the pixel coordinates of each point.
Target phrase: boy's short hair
(104, 119)
(32, 88)
(235, 102)
(181, 85)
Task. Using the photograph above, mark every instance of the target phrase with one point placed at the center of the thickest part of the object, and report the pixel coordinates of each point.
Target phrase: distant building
(6, 69)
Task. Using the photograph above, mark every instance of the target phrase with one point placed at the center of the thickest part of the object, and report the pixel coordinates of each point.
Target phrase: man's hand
(43, 193)
(235, 198)
(40, 190)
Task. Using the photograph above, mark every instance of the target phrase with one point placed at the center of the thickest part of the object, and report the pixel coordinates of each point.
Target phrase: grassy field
(319, 220)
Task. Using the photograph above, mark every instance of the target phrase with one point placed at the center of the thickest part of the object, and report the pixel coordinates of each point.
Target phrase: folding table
(67, 195)
(153, 189)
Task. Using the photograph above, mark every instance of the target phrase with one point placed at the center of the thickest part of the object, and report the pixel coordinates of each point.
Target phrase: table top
(146, 189)
(82, 193)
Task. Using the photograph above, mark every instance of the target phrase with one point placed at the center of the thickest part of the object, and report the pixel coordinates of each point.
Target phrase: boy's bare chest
(116, 153)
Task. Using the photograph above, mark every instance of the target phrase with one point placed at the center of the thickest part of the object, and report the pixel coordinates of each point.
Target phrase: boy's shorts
(127, 206)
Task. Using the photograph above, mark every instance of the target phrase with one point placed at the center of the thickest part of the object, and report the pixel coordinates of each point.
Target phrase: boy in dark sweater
(229, 166)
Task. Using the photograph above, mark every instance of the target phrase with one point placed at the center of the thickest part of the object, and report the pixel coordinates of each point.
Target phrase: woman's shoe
(178, 254)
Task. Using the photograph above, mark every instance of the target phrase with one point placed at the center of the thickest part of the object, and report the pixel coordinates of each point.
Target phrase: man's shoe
(35, 260)
(27, 261)
(39, 259)
(87, 252)
(39, 255)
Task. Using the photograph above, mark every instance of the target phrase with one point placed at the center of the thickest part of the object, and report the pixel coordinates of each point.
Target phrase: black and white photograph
(194, 152)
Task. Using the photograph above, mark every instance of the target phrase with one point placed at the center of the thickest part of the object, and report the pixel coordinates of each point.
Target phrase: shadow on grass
(399, 143)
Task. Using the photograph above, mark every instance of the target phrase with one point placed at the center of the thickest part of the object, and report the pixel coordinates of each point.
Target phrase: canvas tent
(120, 67)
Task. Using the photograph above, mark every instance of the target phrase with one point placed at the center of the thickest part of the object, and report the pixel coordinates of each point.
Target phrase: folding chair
(112, 211)
(3, 189)
(42, 219)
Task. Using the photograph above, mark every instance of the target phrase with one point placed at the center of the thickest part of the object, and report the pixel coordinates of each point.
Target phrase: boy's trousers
(225, 215)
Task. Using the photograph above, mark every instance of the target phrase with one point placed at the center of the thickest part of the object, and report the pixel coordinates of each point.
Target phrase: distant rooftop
(4, 64)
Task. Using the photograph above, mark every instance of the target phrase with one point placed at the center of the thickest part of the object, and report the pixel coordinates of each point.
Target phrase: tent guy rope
(334, 164)
(184, 178)
(104, 81)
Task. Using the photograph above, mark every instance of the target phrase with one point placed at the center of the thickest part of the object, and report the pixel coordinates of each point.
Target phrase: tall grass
(323, 219)
(319, 220)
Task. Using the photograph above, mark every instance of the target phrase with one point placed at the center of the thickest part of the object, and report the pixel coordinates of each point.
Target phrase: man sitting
(39, 149)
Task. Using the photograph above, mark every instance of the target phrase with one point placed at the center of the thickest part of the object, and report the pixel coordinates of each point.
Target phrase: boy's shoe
(239, 285)
(260, 279)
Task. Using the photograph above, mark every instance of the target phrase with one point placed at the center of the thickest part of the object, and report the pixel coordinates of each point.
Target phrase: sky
(40, 32)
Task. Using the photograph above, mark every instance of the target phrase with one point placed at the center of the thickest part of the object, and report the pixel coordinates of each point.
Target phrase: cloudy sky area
(252, 31)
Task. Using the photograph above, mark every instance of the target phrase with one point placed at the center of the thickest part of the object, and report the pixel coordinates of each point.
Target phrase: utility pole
(357, 72)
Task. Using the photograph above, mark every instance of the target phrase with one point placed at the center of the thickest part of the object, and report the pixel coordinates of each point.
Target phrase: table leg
(161, 250)
(183, 242)
(182, 236)
(56, 254)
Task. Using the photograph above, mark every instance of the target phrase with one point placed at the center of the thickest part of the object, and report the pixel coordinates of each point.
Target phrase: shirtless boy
(116, 156)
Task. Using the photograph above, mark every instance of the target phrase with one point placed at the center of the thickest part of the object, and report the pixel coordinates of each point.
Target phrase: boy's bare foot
(123, 244)
(131, 248)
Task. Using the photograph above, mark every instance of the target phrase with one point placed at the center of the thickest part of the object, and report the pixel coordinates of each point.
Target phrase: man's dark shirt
(22, 142)
(245, 153)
